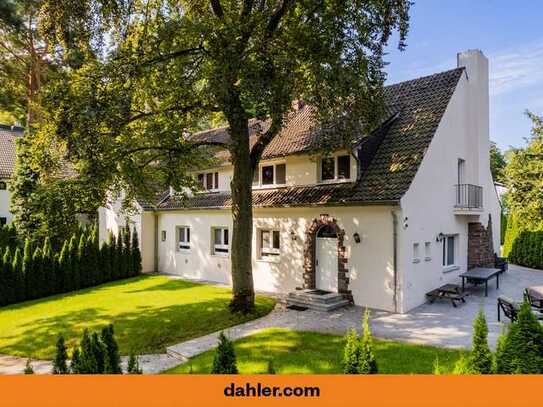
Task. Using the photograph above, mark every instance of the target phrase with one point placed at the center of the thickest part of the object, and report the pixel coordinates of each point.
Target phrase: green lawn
(310, 352)
(149, 313)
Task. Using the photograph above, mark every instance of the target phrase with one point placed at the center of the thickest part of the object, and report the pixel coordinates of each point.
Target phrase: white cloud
(518, 68)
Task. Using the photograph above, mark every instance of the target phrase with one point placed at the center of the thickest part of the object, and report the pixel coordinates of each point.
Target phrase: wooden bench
(451, 292)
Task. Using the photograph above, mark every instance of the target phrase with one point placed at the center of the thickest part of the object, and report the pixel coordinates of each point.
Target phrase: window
(208, 181)
(183, 237)
(416, 254)
(461, 171)
(163, 235)
(220, 240)
(272, 174)
(270, 243)
(3, 221)
(335, 168)
(427, 251)
(449, 243)
(3, 186)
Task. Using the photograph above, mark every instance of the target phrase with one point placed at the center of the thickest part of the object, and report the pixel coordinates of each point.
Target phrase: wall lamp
(356, 237)
(293, 234)
(440, 237)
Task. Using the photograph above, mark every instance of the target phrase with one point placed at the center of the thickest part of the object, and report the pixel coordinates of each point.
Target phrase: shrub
(75, 364)
(49, 268)
(30, 279)
(351, 353)
(136, 254)
(270, 368)
(88, 363)
(18, 276)
(60, 362)
(112, 358)
(28, 367)
(368, 364)
(224, 361)
(437, 369)
(35, 276)
(462, 366)
(75, 280)
(480, 359)
(133, 364)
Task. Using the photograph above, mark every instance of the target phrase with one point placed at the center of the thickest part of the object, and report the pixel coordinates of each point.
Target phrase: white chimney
(476, 65)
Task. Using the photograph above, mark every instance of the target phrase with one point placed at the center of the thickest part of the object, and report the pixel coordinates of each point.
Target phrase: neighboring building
(8, 138)
(403, 211)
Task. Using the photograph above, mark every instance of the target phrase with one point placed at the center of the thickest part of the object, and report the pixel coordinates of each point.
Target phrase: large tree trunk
(242, 215)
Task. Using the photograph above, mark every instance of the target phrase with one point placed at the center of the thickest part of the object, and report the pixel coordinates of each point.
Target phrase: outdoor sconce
(292, 234)
(440, 237)
(405, 222)
(356, 237)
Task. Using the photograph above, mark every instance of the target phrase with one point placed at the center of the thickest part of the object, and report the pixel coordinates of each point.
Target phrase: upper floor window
(183, 237)
(209, 181)
(220, 241)
(270, 174)
(3, 185)
(335, 168)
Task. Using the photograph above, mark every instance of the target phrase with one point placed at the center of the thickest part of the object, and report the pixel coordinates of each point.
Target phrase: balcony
(469, 199)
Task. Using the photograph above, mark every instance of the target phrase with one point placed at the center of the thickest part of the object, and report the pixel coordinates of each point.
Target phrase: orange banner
(339, 390)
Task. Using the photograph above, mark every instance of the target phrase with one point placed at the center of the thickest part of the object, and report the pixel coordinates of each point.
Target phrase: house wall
(427, 207)
(370, 263)
(111, 218)
(4, 203)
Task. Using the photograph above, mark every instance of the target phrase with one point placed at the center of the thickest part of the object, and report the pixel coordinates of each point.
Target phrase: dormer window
(270, 175)
(335, 168)
(209, 181)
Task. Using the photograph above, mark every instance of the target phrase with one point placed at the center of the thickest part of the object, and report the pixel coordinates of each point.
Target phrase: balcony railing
(469, 196)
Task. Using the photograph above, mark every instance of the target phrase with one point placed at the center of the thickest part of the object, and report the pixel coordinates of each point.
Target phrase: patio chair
(501, 263)
(535, 301)
(509, 307)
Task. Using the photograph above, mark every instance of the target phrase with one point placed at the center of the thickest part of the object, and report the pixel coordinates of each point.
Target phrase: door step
(318, 300)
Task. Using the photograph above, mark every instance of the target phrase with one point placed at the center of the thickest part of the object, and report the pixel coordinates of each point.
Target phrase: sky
(509, 33)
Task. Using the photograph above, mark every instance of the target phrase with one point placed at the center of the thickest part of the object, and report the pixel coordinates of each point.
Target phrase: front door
(326, 264)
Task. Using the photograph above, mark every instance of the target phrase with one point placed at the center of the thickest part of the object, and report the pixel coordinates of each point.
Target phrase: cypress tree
(368, 364)
(270, 368)
(62, 271)
(92, 259)
(351, 353)
(224, 361)
(37, 279)
(105, 262)
(127, 253)
(133, 364)
(3, 279)
(114, 258)
(9, 277)
(502, 360)
(88, 363)
(136, 254)
(83, 260)
(112, 359)
(59, 363)
(19, 279)
(31, 282)
(48, 264)
(99, 352)
(120, 256)
(75, 278)
(480, 359)
(75, 364)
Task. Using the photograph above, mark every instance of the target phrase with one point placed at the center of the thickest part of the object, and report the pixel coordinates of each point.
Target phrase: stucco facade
(4, 202)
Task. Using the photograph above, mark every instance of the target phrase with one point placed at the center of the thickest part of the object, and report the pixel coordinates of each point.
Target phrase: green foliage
(112, 363)
(368, 363)
(480, 358)
(136, 254)
(503, 227)
(75, 363)
(497, 163)
(225, 357)
(8, 236)
(462, 366)
(60, 365)
(28, 367)
(18, 276)
(527, 249)
(133, 364)
(521, 351)
(270, 369)
(351, 353)
(437, 369)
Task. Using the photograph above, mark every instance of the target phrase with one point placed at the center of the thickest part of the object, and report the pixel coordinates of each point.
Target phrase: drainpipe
(395, 258)
(155, 252)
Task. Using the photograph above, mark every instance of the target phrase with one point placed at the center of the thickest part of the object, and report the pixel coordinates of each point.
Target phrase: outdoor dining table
(481, 275)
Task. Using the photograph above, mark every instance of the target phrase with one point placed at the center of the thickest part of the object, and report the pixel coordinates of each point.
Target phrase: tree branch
(217, 8)
(278, 15)
(263, 141)
(173, 55)
(190, 146)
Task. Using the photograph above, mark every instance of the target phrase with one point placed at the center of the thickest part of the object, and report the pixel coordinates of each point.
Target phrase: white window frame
(269, 252)
(259, 183)
(445, 252)
(336, 178)
(416, 252)
(215, 181)
(427, 251)
(184, 245)
(220, 249)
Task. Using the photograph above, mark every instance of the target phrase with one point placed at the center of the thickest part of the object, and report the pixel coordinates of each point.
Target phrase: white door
(326, 265)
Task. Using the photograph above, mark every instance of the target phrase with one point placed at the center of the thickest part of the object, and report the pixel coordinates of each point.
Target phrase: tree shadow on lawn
(143, 330)
(171, 285)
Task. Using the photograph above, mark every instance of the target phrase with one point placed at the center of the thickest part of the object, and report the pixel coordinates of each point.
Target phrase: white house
(8, 138)
(403, 211)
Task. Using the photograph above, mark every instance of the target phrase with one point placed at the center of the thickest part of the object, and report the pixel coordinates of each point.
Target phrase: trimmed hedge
(36, 271)
(523, 247)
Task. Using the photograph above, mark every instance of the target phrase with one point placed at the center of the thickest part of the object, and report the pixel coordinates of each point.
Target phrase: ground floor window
(183, 237)
(269, 242)
(449, 250)
(220, 239)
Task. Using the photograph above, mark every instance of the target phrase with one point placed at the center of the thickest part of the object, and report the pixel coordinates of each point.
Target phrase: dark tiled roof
(8, 137)
(418, 106)
(320, 195)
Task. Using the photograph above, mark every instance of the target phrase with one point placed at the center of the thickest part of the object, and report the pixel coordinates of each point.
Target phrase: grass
(148, 312)
(309, 352)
